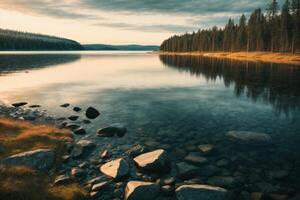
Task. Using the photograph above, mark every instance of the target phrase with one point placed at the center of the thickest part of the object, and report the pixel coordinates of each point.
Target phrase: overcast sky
(120, 21)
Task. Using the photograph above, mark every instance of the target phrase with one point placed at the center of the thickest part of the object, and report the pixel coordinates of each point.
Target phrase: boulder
(114, 130)
(203, 192)
(153, 161)
(92, 113)
(186, 171)
(62, 180)
(73, 118)
(16, 105)
(138, 190)
(115, 169)
(246, 137)
(79, 131)
(206, 148)
(82, 147)
(77, 109)
(41, 159)
(65, 105)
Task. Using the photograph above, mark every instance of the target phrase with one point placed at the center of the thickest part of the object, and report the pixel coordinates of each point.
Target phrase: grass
(24, 183)
(281, 58)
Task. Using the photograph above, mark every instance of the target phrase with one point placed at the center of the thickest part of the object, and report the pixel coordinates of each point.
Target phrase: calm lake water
(169, 101)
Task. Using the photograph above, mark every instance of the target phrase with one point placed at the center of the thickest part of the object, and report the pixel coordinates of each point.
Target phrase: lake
(173, 102)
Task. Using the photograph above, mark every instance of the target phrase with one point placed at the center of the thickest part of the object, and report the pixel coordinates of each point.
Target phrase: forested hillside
(14, 40)
(275, 30)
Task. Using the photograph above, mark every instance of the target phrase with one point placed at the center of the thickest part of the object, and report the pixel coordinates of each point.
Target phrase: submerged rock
(138, 190)
(92, 113)
(62, 180)
(203, 192)
(104, 154)
(115, 169)
(195, 158)
(77, 172)
(82, 147)
(41, 159)
(186, 171)
(206, 148)
(34, 106)
(99, 186)
(72, 126)
(20, 104)
(111, 131)
(136, 150)
(153, 161)
(247, 137)
(222, 181)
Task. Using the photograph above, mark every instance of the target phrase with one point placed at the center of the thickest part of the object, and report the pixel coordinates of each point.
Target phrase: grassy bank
(22, 182)
(281, 58)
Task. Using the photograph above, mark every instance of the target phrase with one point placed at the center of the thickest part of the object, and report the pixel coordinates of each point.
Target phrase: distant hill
(130, 47)
(22, 41)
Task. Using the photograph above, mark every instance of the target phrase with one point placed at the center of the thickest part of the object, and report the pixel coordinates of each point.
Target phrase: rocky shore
(219, 168)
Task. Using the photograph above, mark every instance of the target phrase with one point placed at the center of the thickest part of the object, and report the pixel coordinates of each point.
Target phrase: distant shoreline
(280, 58)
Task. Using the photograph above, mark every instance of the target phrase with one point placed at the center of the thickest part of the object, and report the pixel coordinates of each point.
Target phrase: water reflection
(276, 84)
(18, 62)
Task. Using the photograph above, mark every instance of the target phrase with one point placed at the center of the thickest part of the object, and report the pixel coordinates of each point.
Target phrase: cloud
(148, 28)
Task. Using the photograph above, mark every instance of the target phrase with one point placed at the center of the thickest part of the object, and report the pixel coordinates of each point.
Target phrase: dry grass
(282, 58)
(24, 183)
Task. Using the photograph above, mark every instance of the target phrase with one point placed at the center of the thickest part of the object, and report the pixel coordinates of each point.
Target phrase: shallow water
(170, 102)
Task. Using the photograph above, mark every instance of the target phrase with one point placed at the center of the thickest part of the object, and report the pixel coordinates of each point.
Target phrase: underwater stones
(247, 137)
(73, 118)
(111, 131)
(99, 186)
(79, 131)
(195, 158)
(82, 147)
(77, 172)
(138, 190)
(115, 169)
(206, 148)
(41, 159)
(153, 161)
(92, 113)
(65, 105)
(20, 104)
(185, 170)
(72, 126)
(203, 192)
(278, 174)
(222, 181)
(104, 154)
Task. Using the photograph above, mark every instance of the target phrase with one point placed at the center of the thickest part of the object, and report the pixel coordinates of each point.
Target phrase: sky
(120, 21)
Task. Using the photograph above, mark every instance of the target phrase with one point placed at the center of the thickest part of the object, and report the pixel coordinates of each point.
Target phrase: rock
(167, 190)
(72, 126)
(96, 180)
(34, 106)
(246, 137)
(77, 172)
(138, 190)
(82, 147)
(185, 171)
(65, 158)
(73, 118)
(136, 150)
(86, 121)
(195, 158)
(104, 154)
(62, 180)
(111, 131)
(20, 104)
(92, 113)
(222, 181)
(115, 169)
(208, 170)
(153, 161)
(206, 148)
(267, 187)
(41, 159)
(77, 109)
(84, 165)
(65, 105)
(203, 192)
(99, 186)
(169, 181)
(79, 131)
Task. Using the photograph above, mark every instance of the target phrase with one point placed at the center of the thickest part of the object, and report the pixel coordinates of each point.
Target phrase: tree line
(16, 40)
(272, 31)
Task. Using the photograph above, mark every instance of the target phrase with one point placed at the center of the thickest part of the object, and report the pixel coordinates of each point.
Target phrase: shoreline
(267, 57)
